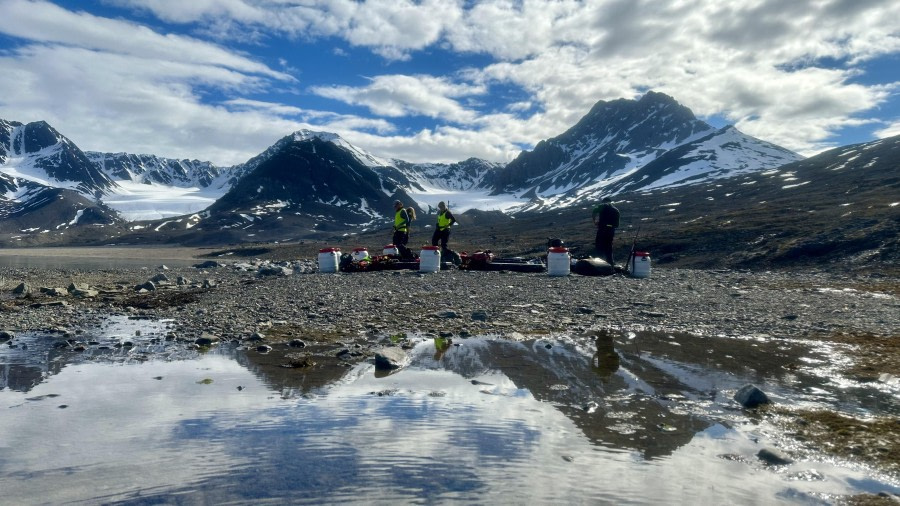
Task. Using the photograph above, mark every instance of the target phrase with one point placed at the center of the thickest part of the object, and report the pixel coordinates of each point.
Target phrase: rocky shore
(235, 300)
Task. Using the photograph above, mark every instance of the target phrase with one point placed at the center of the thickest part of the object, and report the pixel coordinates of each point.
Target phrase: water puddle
(136, 417)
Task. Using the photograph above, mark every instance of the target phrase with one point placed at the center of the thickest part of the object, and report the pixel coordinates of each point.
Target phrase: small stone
(480, 315)
(750, 396)
(773, 457)
(390, 359)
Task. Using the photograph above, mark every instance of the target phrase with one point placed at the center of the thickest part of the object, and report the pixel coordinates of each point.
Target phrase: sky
(440, 80)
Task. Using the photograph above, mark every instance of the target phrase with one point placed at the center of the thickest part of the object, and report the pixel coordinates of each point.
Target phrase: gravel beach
(237, 299)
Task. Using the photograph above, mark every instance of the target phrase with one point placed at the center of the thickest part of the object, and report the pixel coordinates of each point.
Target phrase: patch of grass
(155, 300)
(873, 441)
(288, 331)
(871, 355)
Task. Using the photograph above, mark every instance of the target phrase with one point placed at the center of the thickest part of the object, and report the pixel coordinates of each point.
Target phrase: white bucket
(390, 249)
(639, 266)
(328, 259)
(430, 259)
(558, 262)
(359, 254)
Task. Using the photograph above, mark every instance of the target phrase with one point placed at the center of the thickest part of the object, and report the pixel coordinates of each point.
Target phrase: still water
(136, 420)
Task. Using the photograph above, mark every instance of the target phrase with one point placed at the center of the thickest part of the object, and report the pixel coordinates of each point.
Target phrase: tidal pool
(133, 419)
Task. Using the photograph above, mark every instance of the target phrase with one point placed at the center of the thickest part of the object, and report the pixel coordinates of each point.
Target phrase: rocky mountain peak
(38, 153)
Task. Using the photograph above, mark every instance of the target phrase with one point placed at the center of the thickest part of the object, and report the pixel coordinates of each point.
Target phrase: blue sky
(440, 80)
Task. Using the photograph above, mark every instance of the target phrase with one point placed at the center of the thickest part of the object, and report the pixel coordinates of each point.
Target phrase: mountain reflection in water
(594, 418)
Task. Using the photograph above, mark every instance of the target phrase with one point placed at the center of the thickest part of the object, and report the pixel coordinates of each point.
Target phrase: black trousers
(604, 243)
(400, 239)
(441, 236)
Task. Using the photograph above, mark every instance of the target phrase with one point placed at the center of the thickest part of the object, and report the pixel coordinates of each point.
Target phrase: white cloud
(400, 95)
(889, 131)
(767, 66)
(47, 23)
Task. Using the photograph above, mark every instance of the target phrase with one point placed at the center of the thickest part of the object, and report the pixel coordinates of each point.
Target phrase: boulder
(256, 337)
(209, 264)
(148, 286)
(24, 289)
(480, 315)
(389, 359)
(6, 335)
(274, 270)
(160, 278)
(87, 293)
(206, 340)
(750, 396)
(77, 287)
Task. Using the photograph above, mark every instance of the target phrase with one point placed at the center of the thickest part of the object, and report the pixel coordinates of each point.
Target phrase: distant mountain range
(314, 184)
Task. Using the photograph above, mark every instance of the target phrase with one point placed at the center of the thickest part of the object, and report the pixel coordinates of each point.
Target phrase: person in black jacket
(606, 219)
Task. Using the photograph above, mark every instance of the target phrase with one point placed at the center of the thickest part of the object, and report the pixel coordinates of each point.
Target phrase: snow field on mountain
(136, 201)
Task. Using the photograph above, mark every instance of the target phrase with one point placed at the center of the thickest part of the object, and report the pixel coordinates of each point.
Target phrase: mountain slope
(34, 214)
(838, 210)
(632, 145)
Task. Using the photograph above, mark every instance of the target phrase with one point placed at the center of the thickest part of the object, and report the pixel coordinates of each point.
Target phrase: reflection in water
(606, 358)
(441, 345)
(588, 420)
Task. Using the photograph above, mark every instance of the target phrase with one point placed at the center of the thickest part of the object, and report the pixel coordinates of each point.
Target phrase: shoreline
(147, 253)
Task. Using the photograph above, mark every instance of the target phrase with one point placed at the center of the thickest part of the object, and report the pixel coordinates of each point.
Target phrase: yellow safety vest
(443, 222)
(399, 223)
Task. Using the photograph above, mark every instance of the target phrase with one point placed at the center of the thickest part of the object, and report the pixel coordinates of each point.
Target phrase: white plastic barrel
(359, 254)
(390, 249)
(328, 259)
(558, 262)
(639, 266)
(430, 259)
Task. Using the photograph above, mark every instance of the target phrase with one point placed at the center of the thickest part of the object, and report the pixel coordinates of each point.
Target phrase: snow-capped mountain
(630, 145)
(321, 181)
(314, 178)
(36, 152)
(151, 169)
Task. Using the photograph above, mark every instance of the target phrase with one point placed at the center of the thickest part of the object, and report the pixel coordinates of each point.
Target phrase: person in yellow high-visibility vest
(445, 220)
(401, 230)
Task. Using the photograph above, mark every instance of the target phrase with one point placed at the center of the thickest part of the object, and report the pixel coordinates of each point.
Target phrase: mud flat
(839, 334)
